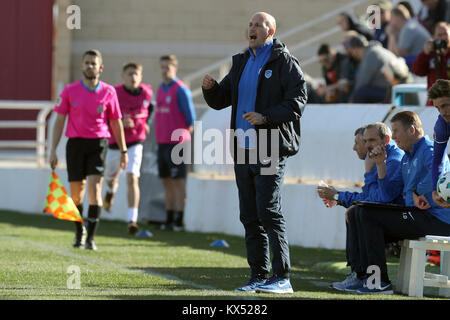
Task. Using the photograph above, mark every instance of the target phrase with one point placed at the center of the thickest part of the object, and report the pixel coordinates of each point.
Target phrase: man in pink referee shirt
(88, 104)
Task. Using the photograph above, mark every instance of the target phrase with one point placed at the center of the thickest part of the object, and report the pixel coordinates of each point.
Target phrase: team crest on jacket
(100, 109)
(268, 74)
(168, 99)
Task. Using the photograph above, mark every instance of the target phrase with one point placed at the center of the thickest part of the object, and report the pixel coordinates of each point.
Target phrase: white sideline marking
(115, 265)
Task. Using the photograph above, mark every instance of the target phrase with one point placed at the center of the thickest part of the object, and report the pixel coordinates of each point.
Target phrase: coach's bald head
(261, 29)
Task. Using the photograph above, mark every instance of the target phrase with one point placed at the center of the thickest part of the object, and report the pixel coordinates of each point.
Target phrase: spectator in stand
(409, 7)
(313, 88)
(385, 16)
(411, 35)
(349, 21)
(334, 68)
(432, 62)
(438, 10)
(352, 64)
(375, 62)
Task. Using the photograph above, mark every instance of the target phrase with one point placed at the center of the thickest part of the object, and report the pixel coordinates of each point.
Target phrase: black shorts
(85, 157)
(166, 167)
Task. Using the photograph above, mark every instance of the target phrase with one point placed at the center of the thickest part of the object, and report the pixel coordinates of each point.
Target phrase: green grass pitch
(36, 255)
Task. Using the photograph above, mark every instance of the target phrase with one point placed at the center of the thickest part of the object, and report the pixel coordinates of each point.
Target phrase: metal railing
(223, 66)
(39, 144)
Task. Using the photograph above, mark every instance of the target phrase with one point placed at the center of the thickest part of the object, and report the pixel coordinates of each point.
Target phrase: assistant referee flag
(59, 203)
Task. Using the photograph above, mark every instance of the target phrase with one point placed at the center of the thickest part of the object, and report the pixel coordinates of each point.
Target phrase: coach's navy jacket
(281, 96)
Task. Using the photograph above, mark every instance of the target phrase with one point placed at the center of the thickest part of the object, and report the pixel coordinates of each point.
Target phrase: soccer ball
(443, 187)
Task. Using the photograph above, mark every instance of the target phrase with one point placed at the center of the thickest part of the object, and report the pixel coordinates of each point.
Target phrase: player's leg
(112, 173)
(95, 164)
(164, 172)
(133, 171)
(77, 191)
(95, 207)
(133, 195)
(179, 202)
(169, 193)
(77, 178)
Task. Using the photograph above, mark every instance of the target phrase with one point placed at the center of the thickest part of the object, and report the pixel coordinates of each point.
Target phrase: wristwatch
(264, 119)
(336, 196)
(124, 151)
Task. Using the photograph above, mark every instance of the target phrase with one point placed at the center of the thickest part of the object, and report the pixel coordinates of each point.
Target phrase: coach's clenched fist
(208, 82)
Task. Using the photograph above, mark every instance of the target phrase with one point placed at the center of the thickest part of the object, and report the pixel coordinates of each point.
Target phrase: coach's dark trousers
(353, 245)
(379, 223)
(260, 213)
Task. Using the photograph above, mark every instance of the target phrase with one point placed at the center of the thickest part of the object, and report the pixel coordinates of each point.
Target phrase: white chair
(411, 274)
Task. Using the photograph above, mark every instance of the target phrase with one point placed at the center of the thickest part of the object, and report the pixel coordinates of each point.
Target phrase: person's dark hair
(440, 89)
(408, 119)
(401, 11)
(358, 41)
(360, 131)
(171, 58)
(409, 7)
(134, 65)
(95, 53)
(324, 49)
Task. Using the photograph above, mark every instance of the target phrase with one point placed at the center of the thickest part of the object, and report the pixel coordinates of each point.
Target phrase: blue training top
(415, 175)
(441, 135)
(370, 190)
(248, 85)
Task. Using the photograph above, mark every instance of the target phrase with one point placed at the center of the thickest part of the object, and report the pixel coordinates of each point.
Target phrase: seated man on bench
(366, 139)
(414, 182)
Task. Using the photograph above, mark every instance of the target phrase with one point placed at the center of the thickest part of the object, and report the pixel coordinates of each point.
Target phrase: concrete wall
(212, 205)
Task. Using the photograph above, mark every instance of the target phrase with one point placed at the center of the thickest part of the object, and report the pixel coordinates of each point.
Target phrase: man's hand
(191, 129)
(421, 202)
(208, 82)
(128, 122)
(439, 201)
(254, 118)
(123, 161)
(329, 203)
(428, 47)
(53, 160)
(378, 155)
(326, 192)
(368, 163)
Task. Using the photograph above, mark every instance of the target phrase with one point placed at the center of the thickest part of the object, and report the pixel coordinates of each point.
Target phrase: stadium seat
(412, 277)
(401, 91)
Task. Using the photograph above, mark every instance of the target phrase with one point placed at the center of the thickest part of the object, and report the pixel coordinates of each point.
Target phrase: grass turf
(36, 253)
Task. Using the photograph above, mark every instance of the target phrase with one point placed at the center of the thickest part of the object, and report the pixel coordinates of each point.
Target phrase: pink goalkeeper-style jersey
(169, 118)
(136, 108)
(88, 110)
